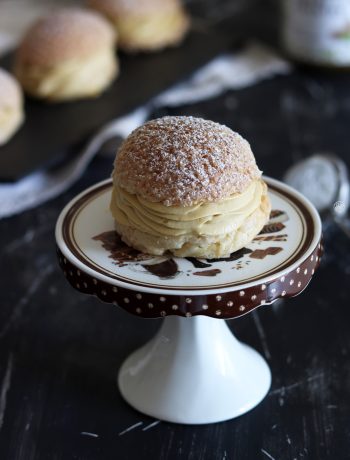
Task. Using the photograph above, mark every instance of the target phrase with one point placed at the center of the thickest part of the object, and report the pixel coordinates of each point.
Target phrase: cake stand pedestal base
(194, 371)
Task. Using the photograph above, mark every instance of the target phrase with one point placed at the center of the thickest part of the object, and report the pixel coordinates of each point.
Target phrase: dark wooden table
(60, 350)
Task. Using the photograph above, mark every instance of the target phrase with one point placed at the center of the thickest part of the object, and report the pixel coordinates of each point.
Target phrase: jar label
(318, 30)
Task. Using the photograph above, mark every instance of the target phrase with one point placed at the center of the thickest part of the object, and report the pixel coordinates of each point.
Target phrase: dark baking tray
(51, 130)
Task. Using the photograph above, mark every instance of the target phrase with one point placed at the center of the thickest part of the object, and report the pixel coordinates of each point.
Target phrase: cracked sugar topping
(181, 161)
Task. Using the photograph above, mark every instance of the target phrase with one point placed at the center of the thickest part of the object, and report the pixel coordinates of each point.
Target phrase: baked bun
(189, 187)
(67, 54)
(145, 25)
(11, 106)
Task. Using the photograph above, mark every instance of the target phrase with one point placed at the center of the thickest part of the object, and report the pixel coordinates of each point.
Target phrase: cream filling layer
(217, 218)
(70, 79)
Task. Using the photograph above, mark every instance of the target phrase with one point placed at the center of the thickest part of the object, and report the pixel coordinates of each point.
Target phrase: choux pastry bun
(145, 25)
(68, 54)
(189, 187)
(11, 106)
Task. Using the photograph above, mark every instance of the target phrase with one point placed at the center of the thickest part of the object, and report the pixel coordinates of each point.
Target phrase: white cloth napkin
(229, 71)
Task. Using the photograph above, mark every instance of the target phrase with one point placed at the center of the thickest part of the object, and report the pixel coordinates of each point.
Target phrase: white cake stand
(193, 371)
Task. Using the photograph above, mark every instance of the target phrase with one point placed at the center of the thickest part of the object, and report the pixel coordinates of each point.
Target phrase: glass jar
(317, 31)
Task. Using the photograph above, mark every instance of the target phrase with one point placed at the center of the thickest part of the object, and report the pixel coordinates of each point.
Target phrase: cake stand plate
(194, 370)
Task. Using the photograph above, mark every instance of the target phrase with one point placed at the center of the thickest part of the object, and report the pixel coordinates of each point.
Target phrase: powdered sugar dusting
(181, 161)
(67, 33)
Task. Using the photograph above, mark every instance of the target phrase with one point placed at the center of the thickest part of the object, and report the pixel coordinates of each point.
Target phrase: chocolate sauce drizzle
(262, 253)
(233, 256)
(272, 228)
(276, 213)
(119, 251)
(197, 263)
(122, 254)
(212, 272)
(165, 270)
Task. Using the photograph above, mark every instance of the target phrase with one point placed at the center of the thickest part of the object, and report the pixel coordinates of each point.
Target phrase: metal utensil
(323, 179)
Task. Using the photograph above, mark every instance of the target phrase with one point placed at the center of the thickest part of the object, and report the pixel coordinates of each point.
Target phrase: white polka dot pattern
(223, 305)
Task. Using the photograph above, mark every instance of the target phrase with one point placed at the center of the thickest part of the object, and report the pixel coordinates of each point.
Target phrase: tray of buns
(56, 122)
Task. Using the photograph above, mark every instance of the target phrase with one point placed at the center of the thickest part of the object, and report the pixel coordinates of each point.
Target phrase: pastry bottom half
(73, 79)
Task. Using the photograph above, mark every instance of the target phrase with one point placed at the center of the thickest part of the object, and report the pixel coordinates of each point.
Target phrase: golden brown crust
(182, 161)
(65, 34)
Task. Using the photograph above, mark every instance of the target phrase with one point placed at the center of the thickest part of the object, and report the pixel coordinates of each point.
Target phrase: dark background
(60, 350)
